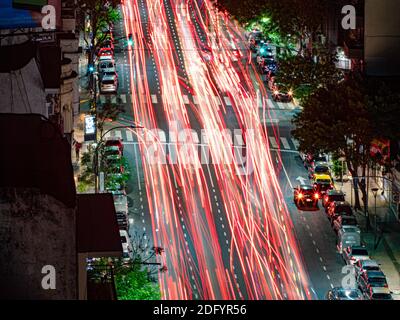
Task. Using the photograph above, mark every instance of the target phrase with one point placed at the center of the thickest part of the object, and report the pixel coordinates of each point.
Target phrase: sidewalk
(382, 237)
(84, 106)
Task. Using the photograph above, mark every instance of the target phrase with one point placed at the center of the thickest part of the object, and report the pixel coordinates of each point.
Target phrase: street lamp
(375, 193)
(96, 151)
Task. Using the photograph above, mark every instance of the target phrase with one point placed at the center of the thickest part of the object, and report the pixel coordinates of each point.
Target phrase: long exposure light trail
(263, 260)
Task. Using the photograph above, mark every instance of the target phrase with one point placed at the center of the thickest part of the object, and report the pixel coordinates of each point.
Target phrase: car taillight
(300, 196)
(316, 196)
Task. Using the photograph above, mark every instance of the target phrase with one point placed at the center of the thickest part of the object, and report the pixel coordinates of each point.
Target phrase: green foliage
(108, 112)
(132, 283)
(292, 19)
(304, 76)
(339, 167)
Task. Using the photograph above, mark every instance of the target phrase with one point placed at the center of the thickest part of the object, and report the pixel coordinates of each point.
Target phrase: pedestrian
(78, 147)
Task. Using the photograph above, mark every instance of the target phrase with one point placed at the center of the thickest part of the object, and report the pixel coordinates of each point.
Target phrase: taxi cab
(322, 183)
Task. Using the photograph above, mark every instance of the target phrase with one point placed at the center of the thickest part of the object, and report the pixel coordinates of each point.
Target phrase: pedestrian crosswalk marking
(129, 136)
(114, 99)
(102, 99)
(281, 105)
(123, 98)
(295, 143)
(285, 143)
(186, 99)
(154, 98)
(273, 142)
(270, 104)
(228, 101)
(118, 134)
(195, 100)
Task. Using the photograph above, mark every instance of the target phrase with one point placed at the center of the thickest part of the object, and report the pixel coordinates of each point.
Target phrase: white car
(353, 254)
(106, 66)
(378, 293)
(366, 265)
(108, 83)
(127, 255)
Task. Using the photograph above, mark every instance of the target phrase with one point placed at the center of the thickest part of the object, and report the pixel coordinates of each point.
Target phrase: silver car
(108, 84)
(353, 254)
(106, 66)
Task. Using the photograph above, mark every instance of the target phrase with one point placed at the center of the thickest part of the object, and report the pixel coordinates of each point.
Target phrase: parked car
(355, 253)
(112, 152)
(378, 293)
(305, 196)
(348, 236)
(342, 221)
(106, 66)
(126, 246)
(339, 208)
(362, 266)
(311, 159)
(340, 293)
(322, 188)
(108, 84)
(332, 195)
(319, 167)
(105, 54)
(108, 44)
(118, 142)
(371, 278)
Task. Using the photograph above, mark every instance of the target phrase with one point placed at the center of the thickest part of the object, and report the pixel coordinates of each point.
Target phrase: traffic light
(130, 40)
(91, 68)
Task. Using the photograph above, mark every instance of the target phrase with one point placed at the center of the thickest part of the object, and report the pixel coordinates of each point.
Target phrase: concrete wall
(36, 230)
(382, 37)
(22, 91)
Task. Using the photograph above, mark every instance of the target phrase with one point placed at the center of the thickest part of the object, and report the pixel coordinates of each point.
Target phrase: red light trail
(261, 260)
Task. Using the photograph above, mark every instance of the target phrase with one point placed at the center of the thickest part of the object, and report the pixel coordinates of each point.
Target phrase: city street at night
(200, 150)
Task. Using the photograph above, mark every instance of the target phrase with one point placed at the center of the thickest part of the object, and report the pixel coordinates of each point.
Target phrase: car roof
(321, 163)
(358, 248)
(321, 176)
(375, 274)
(349, 229)
(306, 187)
(369, 262)
(335, 192)
(341, 203)
(108, 77)
(116, 139)
(380, 290)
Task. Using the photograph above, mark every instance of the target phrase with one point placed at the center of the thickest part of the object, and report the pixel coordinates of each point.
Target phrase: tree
(303, 75)
(132, 283)
(294, 20)
(344, 118)
(335, 120)
(101, 16)
(107, 113)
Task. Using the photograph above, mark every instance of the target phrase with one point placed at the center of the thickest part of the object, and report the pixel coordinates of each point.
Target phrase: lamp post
(375, 192)
(96, 152)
